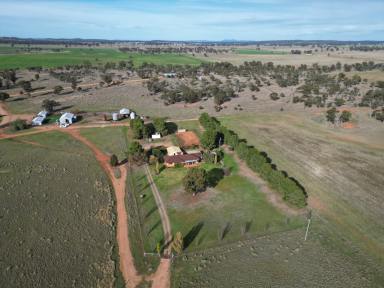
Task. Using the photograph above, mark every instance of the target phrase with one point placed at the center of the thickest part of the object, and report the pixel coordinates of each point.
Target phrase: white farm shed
(132, 115)
(124, 112)
(38, 121)
(67, 119)
(42, 114)
(157, 135)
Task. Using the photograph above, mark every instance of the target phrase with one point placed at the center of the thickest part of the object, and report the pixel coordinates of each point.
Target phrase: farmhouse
(67, 119)
(174, 150)
(188, 160)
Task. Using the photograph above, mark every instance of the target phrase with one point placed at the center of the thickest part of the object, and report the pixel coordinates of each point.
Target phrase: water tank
(115, 116)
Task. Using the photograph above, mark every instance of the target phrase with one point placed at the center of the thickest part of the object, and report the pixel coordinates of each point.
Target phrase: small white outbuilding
(67, 119)
(157, 135)
(124, 112)
(38, 121)
(132, 115)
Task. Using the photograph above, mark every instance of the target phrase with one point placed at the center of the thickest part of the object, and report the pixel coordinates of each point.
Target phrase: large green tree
(331, 115)
(209, 139)
(160, 126)
(195, 181)
(138, 128)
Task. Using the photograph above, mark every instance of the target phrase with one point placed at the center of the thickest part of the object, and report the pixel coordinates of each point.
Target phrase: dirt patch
(348, 125)
(180, 198)
(188, 139)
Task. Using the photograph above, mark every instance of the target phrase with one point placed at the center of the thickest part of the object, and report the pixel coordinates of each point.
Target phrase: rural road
(127, 267)
(161, 278)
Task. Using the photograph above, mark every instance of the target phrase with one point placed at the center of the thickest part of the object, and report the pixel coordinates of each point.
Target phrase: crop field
(281, 259)
(260, 52)
(340, 168)
(56, 214)
(72, 56)
(234, 208)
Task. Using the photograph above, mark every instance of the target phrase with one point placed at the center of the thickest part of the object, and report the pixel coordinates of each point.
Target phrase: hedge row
(292, 192)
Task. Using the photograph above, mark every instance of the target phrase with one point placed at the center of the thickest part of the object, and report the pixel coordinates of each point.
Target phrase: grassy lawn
(190, 125)
(72, 56)
(259, 52)
(111, 140)
(144, 223)
(57, 215)
(232, 205)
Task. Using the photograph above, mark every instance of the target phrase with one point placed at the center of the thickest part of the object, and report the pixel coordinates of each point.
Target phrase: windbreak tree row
(290, 189)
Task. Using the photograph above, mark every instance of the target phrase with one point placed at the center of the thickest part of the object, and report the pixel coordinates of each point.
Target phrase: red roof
(182, 158)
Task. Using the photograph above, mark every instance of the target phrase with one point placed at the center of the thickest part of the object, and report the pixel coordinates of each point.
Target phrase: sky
(194, 19)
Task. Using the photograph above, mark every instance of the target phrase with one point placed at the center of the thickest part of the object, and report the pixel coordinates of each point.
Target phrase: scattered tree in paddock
(58, 89)
(195, 181)
(49, 105)
(114, 161)
(345, 116)
(3, 96)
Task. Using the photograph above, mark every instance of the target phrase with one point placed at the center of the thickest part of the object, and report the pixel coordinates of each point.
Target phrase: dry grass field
(56, 215)
(321, 57)
(277, 260)
(340, 168)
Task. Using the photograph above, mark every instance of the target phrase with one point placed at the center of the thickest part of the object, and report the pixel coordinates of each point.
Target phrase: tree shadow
(157, 224)
(150, 212)
(192, 234)
(63, 108)
(171, 127)
(214, 176)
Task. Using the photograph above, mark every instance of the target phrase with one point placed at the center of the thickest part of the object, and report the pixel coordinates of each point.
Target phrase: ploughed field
(56, 215)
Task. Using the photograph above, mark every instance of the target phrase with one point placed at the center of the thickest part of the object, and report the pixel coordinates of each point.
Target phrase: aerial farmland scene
(191, 144)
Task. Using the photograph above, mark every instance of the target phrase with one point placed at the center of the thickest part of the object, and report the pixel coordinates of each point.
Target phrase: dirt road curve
(127, 267)
(8, 117)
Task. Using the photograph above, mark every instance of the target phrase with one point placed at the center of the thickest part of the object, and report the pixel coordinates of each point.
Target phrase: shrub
(113, 160)
(3, 96)
(19, 124)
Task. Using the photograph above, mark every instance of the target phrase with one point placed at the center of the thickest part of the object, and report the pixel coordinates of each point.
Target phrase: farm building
(38, 121)
(40, 118)
(174, 150)
(188, 160)
(169, 75)
(125, 112)
(157, 135)
(42, 114)
(132, 115)
(67, 119)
